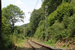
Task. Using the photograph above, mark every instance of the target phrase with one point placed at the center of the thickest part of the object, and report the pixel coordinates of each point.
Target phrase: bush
(7, 43)
(55, 30)
(51, 41)
(71, 26)
(66, 21)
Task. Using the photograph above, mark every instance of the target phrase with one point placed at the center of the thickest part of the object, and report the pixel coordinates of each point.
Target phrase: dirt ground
(64, 45)
(22, 46)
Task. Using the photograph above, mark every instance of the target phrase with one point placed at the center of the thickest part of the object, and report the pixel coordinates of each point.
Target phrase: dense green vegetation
(61, 23)
(10, 33)
(12, 14)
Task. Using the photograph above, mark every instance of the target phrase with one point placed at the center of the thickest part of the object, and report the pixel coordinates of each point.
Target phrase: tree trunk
(12, 26)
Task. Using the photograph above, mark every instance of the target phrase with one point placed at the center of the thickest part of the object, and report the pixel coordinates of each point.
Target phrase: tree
(52, 5)
(36, 17)
(7, 43)
(13, 14)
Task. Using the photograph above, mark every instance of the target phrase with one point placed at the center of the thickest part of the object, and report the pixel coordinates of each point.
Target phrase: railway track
(32, 45)
(37, 46)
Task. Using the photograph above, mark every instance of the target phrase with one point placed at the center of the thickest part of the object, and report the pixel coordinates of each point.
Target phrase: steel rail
(31, 45)
(38, 44)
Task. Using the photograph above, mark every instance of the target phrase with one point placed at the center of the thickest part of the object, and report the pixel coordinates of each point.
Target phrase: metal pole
(24, 31)
(46, 22)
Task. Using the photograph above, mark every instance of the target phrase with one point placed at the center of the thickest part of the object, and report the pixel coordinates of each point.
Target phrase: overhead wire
(36, 4)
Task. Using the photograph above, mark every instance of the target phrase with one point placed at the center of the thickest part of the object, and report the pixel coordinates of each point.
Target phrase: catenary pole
(24, 27)
(46, 22)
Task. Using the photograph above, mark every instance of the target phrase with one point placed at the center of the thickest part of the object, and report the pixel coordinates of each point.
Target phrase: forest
(61, 23)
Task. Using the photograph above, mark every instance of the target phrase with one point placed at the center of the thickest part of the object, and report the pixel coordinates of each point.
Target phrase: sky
(25, 5)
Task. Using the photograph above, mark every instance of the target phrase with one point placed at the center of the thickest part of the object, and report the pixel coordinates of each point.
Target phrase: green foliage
(18, 47)
(36, 17)
(19, 32)
(66, 21)
(48, 43)
(51, 41)
(66, 1)
(40, 32)
(28, 31)
(71, 26)
(73, 2)
(65, 9)
(12, 13)
(52, 17)
(5, 26)
(56, 31)
(8, 13)
(52, 5)
(20, 41)
(62, 22)
(61, 11)
(7, 42)
(67, 45)
(64, 45)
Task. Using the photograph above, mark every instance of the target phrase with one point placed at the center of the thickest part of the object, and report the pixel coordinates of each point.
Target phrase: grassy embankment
(21, 43)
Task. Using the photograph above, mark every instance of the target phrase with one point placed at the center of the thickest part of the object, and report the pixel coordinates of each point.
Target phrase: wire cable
(36, 4)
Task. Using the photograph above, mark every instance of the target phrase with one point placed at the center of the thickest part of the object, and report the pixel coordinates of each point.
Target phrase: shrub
(51, 41)
(71, 27)
(56, 30)
(7, 43)
(65, 21)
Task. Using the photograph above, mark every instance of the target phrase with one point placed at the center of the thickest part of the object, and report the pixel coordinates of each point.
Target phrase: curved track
(37, 46)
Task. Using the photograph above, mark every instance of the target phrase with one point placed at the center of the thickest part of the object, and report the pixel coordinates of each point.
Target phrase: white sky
(25, 5)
